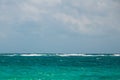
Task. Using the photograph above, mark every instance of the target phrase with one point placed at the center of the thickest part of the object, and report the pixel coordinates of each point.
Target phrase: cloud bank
(78, 16)
(59, 25)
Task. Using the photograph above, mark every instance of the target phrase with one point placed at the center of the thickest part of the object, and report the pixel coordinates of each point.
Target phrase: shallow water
(59, 68)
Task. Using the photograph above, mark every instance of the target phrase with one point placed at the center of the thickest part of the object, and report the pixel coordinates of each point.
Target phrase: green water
(59, 68)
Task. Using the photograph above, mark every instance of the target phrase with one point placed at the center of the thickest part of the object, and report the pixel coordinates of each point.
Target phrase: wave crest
(57, 54)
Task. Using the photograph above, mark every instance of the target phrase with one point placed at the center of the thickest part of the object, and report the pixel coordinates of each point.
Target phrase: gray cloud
(92, 17)
(78, 16)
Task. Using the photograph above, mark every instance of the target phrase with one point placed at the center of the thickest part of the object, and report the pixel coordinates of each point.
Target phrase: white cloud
(80, 16)
(78, 24)
(26, 10)
(92, 17)
(45, 2)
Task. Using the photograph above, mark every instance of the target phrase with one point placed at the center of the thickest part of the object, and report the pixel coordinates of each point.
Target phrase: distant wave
(116, 54)
(79, 55)
(57, 54)
(31, 55)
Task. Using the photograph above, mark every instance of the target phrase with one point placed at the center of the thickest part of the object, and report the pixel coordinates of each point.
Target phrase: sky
(55, 26)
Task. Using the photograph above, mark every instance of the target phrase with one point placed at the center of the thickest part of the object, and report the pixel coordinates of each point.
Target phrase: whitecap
(31, 55)
(116, 54)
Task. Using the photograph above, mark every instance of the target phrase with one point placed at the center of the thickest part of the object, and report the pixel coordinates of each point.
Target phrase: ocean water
(59, 66)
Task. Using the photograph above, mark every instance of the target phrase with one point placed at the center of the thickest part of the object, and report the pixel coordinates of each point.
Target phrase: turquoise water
(59, 67)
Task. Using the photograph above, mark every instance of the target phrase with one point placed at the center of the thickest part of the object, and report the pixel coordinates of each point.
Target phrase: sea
(59, 66)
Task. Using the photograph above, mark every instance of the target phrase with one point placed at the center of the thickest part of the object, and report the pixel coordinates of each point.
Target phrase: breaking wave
(56, 54)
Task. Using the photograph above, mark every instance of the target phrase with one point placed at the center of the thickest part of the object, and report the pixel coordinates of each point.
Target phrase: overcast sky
(69, 26)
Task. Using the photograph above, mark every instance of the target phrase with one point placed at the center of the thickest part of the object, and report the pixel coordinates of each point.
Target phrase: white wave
(31, 55)
(76, 55)
(70, 54)
(116, 54)
(59, 54)
(81, 55)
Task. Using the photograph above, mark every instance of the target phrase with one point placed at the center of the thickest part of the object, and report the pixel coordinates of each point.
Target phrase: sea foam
(31, 55)
(57, 54)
